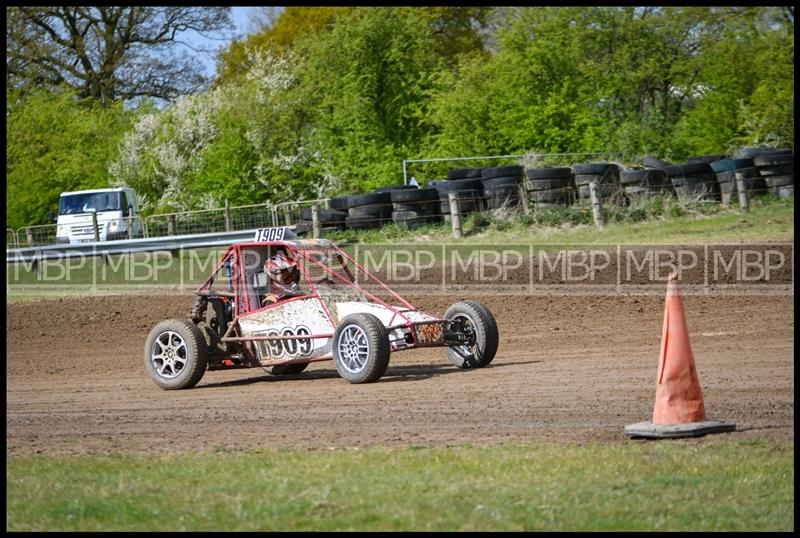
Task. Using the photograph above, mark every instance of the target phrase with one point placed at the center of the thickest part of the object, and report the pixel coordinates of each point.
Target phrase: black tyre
(415, 195)
(372, 210)
(175, 354)
(502, 171)
(364, 223)
(288, 369)
(393, 188)
(776, 170)
(724, 165)
(361, 348)
(774, 159)
(655, 163)
(464, 173)
(595, 168)
(548, 184)
(478, 322)
(779, 181)
(339, 203)
(548, 173)
(325, 215)
(369, 199)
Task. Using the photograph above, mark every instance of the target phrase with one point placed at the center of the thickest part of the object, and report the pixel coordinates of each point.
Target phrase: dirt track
(568, 369)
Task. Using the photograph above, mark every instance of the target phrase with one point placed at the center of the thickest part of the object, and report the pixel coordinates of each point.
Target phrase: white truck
(116, 209)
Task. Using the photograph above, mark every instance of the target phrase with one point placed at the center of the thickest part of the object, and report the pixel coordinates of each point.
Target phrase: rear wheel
(361, 348)
(479, 325)
(175, 354)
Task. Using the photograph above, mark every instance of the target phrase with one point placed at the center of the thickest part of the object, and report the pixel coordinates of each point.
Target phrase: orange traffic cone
(679, 410)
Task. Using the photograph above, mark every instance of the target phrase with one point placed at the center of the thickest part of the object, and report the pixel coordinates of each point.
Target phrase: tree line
(330, 100)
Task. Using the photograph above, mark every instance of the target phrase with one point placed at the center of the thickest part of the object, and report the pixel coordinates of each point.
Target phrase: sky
(242, 18)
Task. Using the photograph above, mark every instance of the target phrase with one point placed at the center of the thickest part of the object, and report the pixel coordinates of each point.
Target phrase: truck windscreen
(73, 204)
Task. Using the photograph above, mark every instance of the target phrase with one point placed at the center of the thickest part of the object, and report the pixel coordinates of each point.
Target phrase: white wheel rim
(168, 354)
(353, 348)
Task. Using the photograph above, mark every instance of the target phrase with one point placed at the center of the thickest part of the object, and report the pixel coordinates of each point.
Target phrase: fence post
(227, 215)
(741, 192)
(29, 235)
(315, 221)
(172, 225)
(455, 214)
(287, 216)
(95, 226)
(524, 195)
(130, 223)
(597, 205)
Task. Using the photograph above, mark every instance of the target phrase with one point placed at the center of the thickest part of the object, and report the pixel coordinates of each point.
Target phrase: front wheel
(175, 354)
(478, 323)
(361, 348)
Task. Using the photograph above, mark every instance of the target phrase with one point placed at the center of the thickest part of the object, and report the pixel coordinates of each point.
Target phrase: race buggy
(329, 315)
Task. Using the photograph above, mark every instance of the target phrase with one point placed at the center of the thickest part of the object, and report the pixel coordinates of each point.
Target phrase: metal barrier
(45, 234)
(40, 234)
(12, 240)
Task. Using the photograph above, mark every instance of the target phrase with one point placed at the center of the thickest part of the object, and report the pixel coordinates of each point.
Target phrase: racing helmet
(281, 270)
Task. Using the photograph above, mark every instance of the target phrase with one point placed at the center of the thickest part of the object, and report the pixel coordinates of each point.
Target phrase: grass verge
(669, 485)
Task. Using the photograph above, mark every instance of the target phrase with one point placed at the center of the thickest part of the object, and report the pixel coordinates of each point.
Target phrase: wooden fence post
(741, 192)
(95, 226)
(227, 215)
(597, 205)
(130, 223)
(29, 235)
(172, 225)
(287, 216)
(455, 214)
(315, 221)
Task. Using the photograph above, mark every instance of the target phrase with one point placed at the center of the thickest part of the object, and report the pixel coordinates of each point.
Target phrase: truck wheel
(175, 354)
(288, 369)
(361, 348)
(479, 323)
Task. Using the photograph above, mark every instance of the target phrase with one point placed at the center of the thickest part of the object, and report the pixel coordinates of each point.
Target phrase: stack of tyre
(694, 181)
(777, 168)
(416, 207)
(502, 186)
(605, 175)
(466, 184)
(371, 210)
(642, 184)
(330, 220)
(729, 171)
(550, 187)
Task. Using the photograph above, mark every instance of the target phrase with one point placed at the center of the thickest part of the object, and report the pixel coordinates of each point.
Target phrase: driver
(284, 276)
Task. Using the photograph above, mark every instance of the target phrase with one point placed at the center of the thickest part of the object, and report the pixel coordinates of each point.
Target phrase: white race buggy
(330, 316)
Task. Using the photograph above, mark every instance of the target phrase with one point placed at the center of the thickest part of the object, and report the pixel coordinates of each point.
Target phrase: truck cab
(113, 208)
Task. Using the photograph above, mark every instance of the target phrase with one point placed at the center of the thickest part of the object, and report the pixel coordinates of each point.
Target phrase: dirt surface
(569, 368)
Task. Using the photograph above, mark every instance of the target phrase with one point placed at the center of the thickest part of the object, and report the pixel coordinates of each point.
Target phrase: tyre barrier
(371, 210)
(726, 170)
(550, 187)
(502, 186)
(641, 184)
(694, 181)
(416, 207)
(606, 177)
(468, 191)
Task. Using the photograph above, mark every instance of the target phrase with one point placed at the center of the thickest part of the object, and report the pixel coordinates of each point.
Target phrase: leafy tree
(108, 53)
(56, 141)
(281, 33)
(367, 84)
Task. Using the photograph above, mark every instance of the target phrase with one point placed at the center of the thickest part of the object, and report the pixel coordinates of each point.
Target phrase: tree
(57, 142)
(109, 53)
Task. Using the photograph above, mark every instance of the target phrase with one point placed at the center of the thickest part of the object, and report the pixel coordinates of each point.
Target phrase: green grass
(664, 485)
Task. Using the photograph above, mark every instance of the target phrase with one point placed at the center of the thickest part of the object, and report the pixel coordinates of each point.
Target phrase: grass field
(637, 486)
